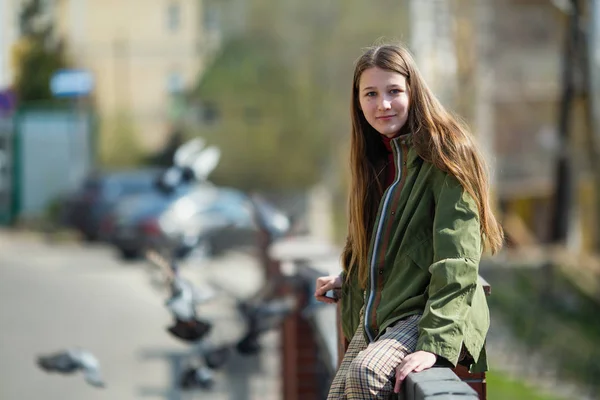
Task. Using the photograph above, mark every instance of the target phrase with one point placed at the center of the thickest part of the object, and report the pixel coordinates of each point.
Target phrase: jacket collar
(413, 158)
(400, 139)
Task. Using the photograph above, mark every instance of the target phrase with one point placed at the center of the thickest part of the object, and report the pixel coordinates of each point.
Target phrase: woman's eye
(395, 91)
(371, 94)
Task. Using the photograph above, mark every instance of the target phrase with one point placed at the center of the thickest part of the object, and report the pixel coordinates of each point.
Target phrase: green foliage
(501, 387)
(555, 319)
(35, 68)
(37, 55)
(282, 90)
(265, 141)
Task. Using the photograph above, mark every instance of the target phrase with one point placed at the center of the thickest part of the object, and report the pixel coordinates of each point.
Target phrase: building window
(173, 17)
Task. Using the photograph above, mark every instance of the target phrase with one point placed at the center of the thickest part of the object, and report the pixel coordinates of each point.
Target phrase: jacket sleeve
(454, 271)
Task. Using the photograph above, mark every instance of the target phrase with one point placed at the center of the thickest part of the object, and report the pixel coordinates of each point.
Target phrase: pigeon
(217, 357)
(204, 163)
(248, 344)
(192, 162)
(268, 315)
(186, 153)
(197, 378)
(185, 297)
(190, 331)
(71, 361)
(195, 161)
(180, 172)
(261, 318)
(181, 303)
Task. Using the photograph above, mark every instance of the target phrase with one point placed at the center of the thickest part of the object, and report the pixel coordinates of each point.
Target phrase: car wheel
(183, 252)
(129, 254)
(90, 237)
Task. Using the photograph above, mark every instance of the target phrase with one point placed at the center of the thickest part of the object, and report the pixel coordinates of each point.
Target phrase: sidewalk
(55, 296)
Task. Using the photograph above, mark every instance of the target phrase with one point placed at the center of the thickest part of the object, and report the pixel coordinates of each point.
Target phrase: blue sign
(8, 101)
(71, 83)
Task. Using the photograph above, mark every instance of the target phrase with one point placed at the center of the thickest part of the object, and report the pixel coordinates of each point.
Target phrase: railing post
(289, 370)
(299, 353)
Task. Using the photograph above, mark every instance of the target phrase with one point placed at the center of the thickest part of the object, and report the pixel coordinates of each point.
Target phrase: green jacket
(424, 258)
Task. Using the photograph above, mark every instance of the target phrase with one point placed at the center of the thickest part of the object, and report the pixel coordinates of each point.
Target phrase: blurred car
(132, 225)
(180, 220)
(267, 219)
(86, 208)
(198, 217)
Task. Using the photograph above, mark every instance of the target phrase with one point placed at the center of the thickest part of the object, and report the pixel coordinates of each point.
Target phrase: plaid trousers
(368, 371)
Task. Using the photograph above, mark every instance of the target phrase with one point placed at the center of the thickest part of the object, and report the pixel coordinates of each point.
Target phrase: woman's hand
(325, 284)
(414, 362)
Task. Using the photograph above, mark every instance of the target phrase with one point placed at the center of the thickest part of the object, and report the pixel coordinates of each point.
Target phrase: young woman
(419, 219)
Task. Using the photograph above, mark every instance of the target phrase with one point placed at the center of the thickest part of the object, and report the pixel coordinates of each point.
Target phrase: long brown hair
(438, 137)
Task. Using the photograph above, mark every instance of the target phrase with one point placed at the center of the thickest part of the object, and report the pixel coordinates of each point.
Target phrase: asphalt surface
(60, 295)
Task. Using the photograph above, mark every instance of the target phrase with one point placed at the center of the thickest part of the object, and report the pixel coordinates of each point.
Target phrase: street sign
(8, 101)
(6, 172)
(71, 83)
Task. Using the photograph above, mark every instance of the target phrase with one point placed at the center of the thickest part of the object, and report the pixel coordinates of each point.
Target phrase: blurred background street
(174, 176)
(52, 296)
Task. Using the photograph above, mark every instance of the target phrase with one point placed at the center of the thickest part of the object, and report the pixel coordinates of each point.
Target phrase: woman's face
(384, 100)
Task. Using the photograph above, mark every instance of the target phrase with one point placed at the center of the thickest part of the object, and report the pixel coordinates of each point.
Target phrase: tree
(265, 141)
(37, 54)
(282, 90)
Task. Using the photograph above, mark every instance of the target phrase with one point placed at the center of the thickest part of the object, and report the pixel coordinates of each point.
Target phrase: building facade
(9, 32)
(142, 54)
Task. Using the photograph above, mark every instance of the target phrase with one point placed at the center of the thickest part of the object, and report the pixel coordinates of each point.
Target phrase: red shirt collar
(387, 142)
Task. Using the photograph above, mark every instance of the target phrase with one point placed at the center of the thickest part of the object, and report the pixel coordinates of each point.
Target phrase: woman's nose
(385, 104)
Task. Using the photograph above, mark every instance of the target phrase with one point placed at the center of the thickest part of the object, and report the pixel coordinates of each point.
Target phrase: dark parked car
(180, 220)
(86, 209)
(197, 217)
(133, 225)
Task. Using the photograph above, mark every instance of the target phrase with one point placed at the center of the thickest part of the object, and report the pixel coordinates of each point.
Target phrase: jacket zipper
(373, 269)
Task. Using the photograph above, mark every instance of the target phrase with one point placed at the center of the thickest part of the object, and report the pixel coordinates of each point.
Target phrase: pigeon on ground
(217, 357)
(193, 378)
(71, 361)
(260, 318)
(267, 315)
(190, 331)
(249, 344)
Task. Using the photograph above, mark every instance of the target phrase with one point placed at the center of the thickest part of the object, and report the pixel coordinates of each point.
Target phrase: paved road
(54, 296)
